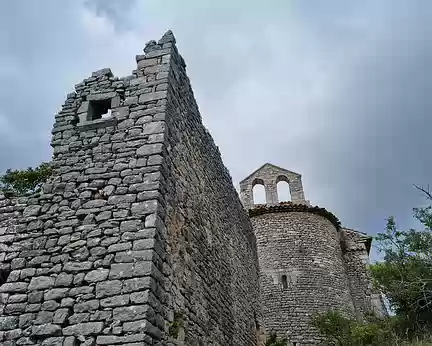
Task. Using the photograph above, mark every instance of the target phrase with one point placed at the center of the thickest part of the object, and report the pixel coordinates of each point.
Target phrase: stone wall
(269, 175)
(212, 261)
(302, 271)
(10, 211)
(86, 269)
(92, 259)
(356, 259)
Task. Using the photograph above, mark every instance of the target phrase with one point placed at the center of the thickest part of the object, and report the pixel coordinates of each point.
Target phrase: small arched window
(258, 190)
(284, 282)
(283, 190)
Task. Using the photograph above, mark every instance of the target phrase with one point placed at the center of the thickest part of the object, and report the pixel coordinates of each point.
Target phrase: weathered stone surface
(108, 288)
(8, 322)
(89, 328)
(26, 320)
(56, 293)
(77, 266)
(61, 315)
(140, 223)
(40, 283)
(121, 300)
(144, 98)
(14, 287)
(63, 279)
(144, 208)
(96, 275)
(149, 149)
(102, 96)
(130, 313)
(44, 317)
(46, 330)
(89, 305)
(32, 210)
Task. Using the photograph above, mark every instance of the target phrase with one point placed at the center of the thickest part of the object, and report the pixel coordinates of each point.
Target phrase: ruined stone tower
(139, 237)
(308, 263)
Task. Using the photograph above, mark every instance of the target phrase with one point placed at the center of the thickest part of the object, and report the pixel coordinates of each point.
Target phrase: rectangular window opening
(284, 282)
(4, 274)
(100, 109)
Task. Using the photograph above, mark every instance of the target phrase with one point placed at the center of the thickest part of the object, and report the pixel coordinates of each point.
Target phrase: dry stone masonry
(308, 262)
(140, 238)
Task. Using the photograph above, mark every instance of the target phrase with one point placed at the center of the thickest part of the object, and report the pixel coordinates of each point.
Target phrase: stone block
(26, 320)
(134, 256)
(8, 322)
(103, 72)
(96, 275)
(83, 107)
(119, 247)
(90, 305)
(44, 317)
(154, 96)
(144, 208)
(130, 225)
(131, 313)
(143, 244)
(77, 266)
(88, 328)
(149, 149)
(101, 96)
(56, 293)
(61, 316)
(79, 318)
(115, 301)
(119, 199)
(63, 279)
(40, 283)
(108, 288)
(153, 127)
(32, 210)
(46, 330)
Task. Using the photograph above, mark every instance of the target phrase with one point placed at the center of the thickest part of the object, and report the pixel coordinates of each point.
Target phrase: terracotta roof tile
(294, 207)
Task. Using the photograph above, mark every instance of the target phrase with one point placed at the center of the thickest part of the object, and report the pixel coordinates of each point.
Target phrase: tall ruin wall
(212, 260)
(138, 238)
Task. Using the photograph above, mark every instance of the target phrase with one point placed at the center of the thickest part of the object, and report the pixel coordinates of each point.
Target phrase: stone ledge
(293, 207)
(96, 124)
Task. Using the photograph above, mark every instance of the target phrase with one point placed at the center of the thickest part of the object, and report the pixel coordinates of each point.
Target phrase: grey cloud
(335, 90)
(116, 11)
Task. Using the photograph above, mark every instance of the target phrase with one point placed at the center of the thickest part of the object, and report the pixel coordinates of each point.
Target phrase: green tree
(19, 182)
(405, 273)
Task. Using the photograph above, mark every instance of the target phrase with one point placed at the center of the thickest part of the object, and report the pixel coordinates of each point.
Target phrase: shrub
(19, 182)
(342, 331)
(273, 341)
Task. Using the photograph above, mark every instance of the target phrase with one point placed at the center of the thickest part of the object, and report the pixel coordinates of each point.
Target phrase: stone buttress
(139, 237)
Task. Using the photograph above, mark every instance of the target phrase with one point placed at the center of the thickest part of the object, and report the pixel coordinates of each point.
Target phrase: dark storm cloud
(337, 91)
(45, 48)
(116, 10)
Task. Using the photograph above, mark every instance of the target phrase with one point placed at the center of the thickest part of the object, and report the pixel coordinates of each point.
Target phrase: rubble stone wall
(356, 259)
(90, 257)
(86, 268)
(211, 256)
(302, 272)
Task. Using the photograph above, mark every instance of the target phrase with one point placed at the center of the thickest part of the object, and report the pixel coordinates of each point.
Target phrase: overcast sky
(339, 91)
